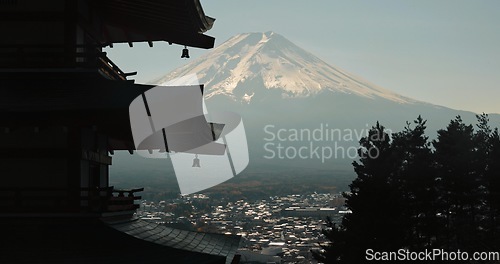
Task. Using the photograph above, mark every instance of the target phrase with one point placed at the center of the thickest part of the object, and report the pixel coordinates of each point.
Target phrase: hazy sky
(442, 52)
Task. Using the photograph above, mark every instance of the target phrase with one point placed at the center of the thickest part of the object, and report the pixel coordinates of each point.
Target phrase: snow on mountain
(271, 60)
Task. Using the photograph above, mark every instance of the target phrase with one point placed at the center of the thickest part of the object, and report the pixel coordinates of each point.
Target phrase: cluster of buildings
(275, 230)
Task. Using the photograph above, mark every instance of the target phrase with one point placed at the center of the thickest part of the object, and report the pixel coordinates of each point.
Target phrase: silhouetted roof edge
(175, 21)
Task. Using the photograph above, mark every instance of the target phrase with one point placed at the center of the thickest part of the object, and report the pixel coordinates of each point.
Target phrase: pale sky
(442, 52)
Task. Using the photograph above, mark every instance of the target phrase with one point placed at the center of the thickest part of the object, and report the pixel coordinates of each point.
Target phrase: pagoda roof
(87, 240)
(175, 21)
(200, 242)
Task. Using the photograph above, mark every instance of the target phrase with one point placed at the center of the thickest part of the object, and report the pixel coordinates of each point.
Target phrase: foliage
(417, 195)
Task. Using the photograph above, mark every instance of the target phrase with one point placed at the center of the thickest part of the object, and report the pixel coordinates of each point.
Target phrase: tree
(457, 182)
(416, 175)
(487, 143)
(410, 193)
(332, 252)
(369, 226)
(493, 188)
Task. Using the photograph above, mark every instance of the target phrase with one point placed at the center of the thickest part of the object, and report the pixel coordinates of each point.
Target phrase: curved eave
(176, 21)
(205, 22)
(118, 35)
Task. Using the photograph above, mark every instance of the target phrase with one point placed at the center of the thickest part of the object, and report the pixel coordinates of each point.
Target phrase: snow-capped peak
(241, 65)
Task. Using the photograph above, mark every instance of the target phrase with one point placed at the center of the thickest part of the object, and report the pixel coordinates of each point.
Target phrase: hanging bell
(196, 162)
(185, 53)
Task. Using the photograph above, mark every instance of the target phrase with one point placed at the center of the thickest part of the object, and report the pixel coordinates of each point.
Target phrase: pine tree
(375, 202)
(332, 251)
(412, 194)
(482, 166)
(493, 187)
(488, 144)
(417, 181)
(457, 182)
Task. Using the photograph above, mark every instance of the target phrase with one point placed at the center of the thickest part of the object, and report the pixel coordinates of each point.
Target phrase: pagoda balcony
(47, 201)
(53, 58)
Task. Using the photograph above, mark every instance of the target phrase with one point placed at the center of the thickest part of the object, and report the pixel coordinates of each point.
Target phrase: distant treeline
(262, 185)
(418, 194)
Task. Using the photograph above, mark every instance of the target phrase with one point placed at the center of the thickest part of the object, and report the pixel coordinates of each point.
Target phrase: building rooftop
(175, 21)
(207, 243)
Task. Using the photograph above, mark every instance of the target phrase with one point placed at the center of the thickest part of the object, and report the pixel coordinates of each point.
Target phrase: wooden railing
(94, 200)
(121, 202)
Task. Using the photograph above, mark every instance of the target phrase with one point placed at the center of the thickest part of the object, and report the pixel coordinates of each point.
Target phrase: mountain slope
(277, 64)
(279, 88)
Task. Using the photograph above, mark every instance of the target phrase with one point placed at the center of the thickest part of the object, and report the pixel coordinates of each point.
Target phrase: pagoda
(64, 111)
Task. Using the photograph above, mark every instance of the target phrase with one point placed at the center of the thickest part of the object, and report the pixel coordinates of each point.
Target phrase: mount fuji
(272, 82)
(285, 94)
(278, 66)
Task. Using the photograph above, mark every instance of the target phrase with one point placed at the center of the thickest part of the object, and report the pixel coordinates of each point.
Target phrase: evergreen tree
(488, 145)
(493, 187)
(482, 162)
(417, 182)
(458, 183)
(332, 252)
(412, 194)
(375, 202)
